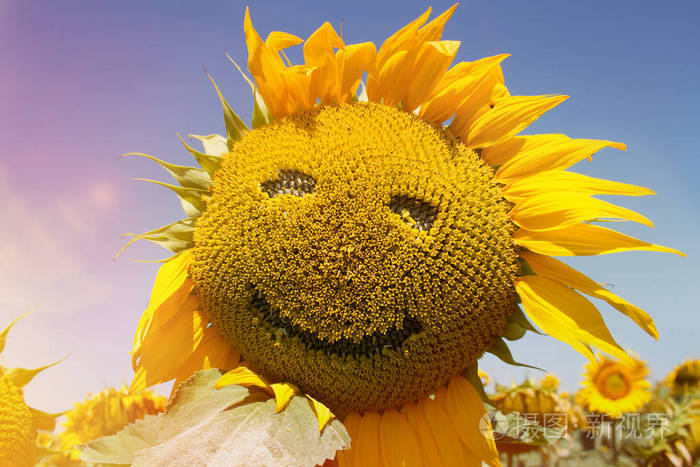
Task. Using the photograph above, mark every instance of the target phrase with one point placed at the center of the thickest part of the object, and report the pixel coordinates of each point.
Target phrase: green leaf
(500, 349)
(261, 116)
(187, 177)
(235, 128)
(207, 426)
(208, 162)
(175, 237)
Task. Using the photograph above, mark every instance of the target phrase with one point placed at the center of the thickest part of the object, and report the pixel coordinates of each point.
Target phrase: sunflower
(103, 414)
(365, 244)
(540, 402)
(613, 387)
(685, 378)
(19, 422)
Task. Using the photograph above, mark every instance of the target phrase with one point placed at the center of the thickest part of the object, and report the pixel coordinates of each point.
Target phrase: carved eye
(289, 182)
(415, 212)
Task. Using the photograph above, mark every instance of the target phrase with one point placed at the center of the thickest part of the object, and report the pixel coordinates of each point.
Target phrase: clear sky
(82, 82)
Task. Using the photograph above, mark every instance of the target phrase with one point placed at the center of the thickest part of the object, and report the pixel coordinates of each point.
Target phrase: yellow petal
(366, 445)
(397, 41)
(565, 315)
(458, 82)
(567, 182)
(448, 442)
(426, 441)
(527, 155)
(396, 58)
(478, 101)
(170, 279)
(433, 30)
(138, 383)
(399, 445)
(279, 40)
(583, 240)
(392, 81)
(164, 352)
(508, 117)
(322, 412)
(301, 92)
(283, 394)
(551, 268)
(346, 458)
(469, 418)
(213, 352)
(430, 64)
(325, 80)
(556, 210)
(353, 61)
(267, 67)
(319, 52)
(321, 42)
(244, 376)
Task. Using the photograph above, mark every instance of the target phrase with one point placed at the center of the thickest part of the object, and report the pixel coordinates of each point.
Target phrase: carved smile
(281, 327)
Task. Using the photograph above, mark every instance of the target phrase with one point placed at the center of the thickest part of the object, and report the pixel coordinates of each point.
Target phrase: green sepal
(208, 162)
(518, 317)
(20, 377)
(525, 268)
(191, 195)
(43, 420)
(3, 335)
(261, 116)
(203, 424)
(500, 349)
(213, 144)
(514, 332)
(175, 237)
(187, 177)
(235, 128)
(472, 375)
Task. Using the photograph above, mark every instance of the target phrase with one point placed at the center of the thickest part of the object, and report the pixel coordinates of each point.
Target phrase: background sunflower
(613, 387)
(18, 422)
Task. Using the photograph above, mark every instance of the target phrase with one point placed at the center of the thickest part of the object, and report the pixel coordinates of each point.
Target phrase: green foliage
(232, 426)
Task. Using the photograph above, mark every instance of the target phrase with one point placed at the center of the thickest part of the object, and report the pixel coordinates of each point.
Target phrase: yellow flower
(550, 382)
(614, 387)
(105, 414)
(362, 251)
(19, 422)
(685, 378)
(540, 402)
(484, 377)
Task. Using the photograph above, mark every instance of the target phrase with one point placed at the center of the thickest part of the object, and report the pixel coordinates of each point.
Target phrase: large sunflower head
(104, 414)
(685, 378)
(368, 247)
(19, 422)
(614, 387)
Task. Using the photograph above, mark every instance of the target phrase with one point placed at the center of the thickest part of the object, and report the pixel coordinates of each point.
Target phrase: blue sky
(83, 82)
